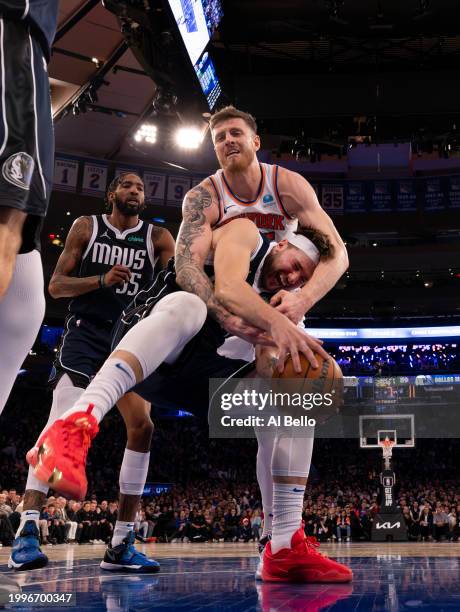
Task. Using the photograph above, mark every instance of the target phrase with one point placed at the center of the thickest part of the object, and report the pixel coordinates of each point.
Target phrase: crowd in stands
(229, 513)
(408, 359)
(215, 495)
(358, 359)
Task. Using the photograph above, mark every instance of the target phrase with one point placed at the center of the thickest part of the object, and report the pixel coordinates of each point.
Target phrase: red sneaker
(302, 563)
(301, 598)
(59, 457)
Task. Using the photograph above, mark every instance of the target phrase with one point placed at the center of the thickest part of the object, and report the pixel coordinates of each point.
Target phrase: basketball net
(387, 450)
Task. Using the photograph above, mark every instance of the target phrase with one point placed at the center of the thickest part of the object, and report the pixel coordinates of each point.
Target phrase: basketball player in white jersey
(276, 200)
(161, 352)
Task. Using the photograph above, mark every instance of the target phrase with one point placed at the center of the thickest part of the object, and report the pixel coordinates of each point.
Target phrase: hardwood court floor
(387, 577)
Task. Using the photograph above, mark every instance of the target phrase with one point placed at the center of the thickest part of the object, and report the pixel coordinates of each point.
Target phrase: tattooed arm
(199, 213)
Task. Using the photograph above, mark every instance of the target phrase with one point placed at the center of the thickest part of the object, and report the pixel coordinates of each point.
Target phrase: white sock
(113, 380)
(133, 472)
(265, 440)
(21, 313)
(65, 395)
(27, 515)
(33, 484)
(268, 521)
(159, 337)
(291, 457)
(287, 513)
(122, 528)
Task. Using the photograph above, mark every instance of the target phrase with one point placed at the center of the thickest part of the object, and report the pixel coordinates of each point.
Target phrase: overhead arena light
(146, 133)
(189, 137)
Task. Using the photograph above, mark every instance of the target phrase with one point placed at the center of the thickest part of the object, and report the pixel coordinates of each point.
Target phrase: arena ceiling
(325, 67)
(315, 65)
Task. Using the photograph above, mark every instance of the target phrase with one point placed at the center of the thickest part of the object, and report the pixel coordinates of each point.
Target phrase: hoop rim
(387, 443)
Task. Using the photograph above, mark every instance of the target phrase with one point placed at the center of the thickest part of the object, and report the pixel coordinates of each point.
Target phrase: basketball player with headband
(161, 351)
(277, 200)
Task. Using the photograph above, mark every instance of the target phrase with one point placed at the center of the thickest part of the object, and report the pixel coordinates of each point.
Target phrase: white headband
(305, 245)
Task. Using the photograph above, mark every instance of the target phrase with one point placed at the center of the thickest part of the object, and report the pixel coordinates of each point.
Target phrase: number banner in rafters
(65, 174)
(94, 179)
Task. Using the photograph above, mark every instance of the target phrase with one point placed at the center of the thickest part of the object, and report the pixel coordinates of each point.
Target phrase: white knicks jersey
(266, 210)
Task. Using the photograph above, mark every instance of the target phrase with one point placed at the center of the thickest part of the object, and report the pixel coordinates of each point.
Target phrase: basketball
(326, 380)
(200, 213)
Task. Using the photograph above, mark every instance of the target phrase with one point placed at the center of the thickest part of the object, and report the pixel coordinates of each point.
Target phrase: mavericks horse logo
(18, 170)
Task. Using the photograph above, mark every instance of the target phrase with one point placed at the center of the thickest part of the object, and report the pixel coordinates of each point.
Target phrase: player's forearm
(190, 277)
(62, 286)
(241, 299)
(324, 278)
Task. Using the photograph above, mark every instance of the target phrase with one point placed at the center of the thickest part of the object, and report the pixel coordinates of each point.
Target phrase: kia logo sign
(388, 525)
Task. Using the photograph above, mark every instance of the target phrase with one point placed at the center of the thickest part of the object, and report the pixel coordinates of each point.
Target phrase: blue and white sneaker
(26, 553)
(126, 557)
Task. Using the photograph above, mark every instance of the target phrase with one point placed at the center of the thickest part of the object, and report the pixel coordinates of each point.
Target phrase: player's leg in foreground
(11, 224)
(27, 162)
(290, 556)
(283, 460)
(21, 313)
(121, 553)
(26, 553)
(265, 442)
(59, 456)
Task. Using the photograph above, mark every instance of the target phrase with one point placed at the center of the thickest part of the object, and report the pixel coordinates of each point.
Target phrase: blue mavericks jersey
(108, 247)
(40, 14)
(165, 283)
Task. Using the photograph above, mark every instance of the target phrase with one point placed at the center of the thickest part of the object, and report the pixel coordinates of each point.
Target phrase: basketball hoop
(387, 450)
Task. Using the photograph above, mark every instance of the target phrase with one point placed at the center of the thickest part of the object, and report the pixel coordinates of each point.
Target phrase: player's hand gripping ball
(321, 389)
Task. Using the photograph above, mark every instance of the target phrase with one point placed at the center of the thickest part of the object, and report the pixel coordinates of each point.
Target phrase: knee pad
(162, 335)
(292, 455)
(186, 311)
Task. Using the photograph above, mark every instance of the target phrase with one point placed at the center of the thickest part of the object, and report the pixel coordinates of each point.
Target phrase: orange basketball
(327, 378)
(326, 374)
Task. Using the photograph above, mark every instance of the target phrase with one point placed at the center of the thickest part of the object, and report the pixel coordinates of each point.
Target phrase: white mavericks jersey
(266, 210)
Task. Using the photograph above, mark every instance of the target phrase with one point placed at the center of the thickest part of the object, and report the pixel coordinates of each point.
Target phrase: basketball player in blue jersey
(277, 200)
(27, 29)
(105, 260)
(157, 345)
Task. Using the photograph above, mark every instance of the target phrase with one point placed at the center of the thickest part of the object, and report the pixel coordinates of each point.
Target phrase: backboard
(399, 428)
